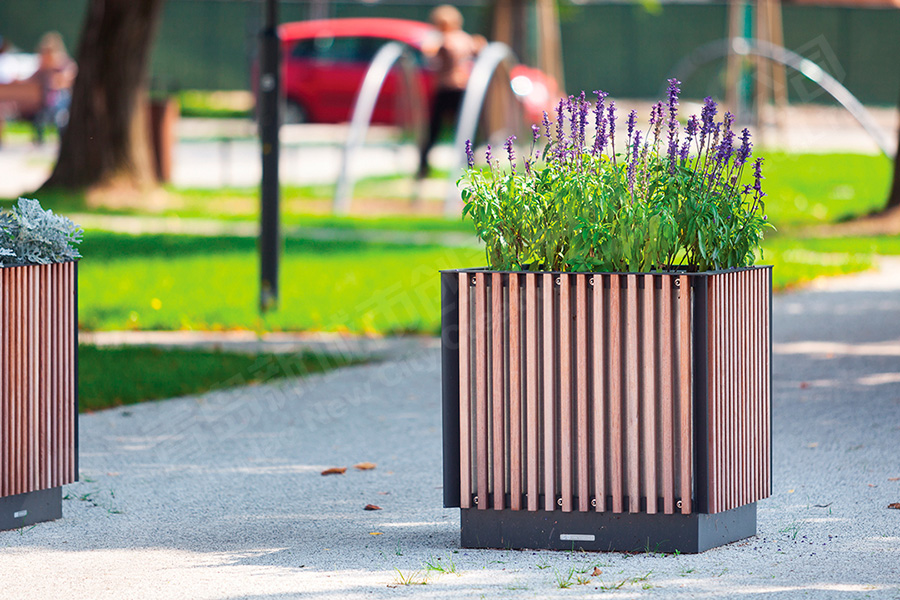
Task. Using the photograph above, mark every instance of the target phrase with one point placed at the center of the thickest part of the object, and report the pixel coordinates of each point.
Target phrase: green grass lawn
(176, 282)
(150, 374)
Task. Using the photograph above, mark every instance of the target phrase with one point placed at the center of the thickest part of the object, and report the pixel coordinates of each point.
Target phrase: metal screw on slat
(678, 504)
(475, 500)
(558, 281)
(594, 502)
(559, 501)
(591, 281)
(474, 281)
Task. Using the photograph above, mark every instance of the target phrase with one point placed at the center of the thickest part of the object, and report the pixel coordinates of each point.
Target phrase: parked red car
(324, 63)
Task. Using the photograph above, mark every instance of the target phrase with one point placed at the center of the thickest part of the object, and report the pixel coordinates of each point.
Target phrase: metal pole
(269, 121)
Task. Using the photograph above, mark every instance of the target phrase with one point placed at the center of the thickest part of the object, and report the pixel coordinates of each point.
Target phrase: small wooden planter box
(606, 411)
(38, 391)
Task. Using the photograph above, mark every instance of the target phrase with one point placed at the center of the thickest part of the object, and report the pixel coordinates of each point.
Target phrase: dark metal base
(622, 532)
(27, 509)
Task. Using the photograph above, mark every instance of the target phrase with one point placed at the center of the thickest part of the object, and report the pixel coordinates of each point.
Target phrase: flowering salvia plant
(680, 197)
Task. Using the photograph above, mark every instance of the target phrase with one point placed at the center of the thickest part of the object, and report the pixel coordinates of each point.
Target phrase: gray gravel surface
(220, 496)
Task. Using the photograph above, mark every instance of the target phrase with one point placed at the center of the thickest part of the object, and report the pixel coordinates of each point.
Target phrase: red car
(324, 63)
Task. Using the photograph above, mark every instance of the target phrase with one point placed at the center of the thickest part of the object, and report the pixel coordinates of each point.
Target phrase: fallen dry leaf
(364, 466)
(375, 533)
(596, 572)
(804, 385)
(372, 507)
(893, 478)
(335, 471)
(894, 505)
(872, 485)
(384, 493)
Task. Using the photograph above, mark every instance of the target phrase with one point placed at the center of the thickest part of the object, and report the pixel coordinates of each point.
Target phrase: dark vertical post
(269, 77)
(700, 373)
(450, 384)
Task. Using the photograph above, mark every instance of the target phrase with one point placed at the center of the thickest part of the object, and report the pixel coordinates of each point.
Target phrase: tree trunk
(893, 200)
(106, 140)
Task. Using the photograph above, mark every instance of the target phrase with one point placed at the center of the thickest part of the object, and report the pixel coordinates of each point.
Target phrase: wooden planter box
(38, 391)
(606, 411)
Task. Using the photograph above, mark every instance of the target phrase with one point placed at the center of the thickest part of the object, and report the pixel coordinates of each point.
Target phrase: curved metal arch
(749, 46)
(487, 63)
(369, 92)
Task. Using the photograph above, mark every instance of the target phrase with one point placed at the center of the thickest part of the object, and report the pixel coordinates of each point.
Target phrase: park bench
(20, 100)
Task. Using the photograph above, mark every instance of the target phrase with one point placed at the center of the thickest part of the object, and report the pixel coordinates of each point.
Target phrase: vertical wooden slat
(565, 394)
(667, 384)
(598, 398)
(744, 379)
(582, 392)
(481, 393)
(531, 389)
(714, 361)
(46, 400)
(616, 405)
(684, 390)
(498, 444)
(549, 400)
(730, 404)
(4, 374)
(648, 424)
(515, 397)
(465, 399)
(632, 395)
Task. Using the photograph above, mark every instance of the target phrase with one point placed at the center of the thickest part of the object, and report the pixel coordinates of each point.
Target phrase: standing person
(452, 62)
(55, 74)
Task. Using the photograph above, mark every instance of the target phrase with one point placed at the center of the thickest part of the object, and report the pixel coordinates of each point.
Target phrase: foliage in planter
(577, 205)
(31, 235)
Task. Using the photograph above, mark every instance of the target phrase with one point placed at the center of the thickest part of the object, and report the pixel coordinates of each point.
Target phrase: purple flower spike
(632, 165)
(726, 148)
(511, 152)
(599, 124)
(535, 133)
(560, 153)
(707, 118)
(674, 90)
(632, 120)
(743, 154)
(546, 124)
(685, 150)
(487, 155)
(757, 177)
(611, 117)
(470, 155)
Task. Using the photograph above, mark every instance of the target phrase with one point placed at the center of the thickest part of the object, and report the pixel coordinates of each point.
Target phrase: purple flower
(470, 155)
(632, 119)
(560, 153)
(599, 124)
(487, 155)
(707, 118)
(511, 152)
(726, 148)
(632, 165)
(546, 124)
(673, 121)
(611, 117)
(757, 177)
(535, 132)
(743, 153)
(685, 150)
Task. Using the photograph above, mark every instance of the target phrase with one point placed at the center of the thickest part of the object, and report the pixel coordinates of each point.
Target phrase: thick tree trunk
(106, 140)
(893, 200)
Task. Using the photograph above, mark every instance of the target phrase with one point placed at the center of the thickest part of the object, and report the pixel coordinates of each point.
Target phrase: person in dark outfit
(55, 75)
(452, 62)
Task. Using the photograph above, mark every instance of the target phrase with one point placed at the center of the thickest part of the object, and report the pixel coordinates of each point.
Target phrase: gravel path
(220, 496)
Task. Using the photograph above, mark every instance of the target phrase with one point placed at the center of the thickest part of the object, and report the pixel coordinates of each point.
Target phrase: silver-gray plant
(31, 235)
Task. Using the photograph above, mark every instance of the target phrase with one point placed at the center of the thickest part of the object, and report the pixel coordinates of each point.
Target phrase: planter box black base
(623, 532)
(27, 509)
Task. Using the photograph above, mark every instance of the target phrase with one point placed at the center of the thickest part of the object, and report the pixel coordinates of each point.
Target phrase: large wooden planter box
(606, 411)
(38, 391)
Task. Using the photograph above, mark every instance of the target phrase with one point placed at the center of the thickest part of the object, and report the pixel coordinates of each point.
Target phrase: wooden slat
(714, 371)
(481, 392)
(632, 395)
(582, 392)
(730, 416)
(598, 398)
(616, 405)
(531, 390)
(684, 391)
(4, 373)
(648, 424)
(549, 399)
(515, 397)
(465, 398)
(565, 394)
(743, 397)
(667, 383)
(498, 438)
